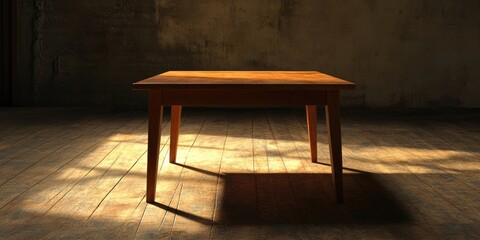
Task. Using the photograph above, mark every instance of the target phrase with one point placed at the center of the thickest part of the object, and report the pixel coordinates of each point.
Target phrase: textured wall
(399, 52)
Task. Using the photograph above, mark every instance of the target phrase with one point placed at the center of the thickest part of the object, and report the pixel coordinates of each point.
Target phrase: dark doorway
(8, 50)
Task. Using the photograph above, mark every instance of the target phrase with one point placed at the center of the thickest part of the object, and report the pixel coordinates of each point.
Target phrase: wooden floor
(240, 174)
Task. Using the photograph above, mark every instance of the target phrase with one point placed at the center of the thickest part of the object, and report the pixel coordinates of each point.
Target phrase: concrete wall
(401, 53)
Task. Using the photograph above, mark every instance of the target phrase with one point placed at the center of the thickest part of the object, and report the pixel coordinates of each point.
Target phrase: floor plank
(158, 220)
(197, 201)
(240, 174)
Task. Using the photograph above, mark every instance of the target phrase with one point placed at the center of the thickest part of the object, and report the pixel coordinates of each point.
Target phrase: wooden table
(223, 88)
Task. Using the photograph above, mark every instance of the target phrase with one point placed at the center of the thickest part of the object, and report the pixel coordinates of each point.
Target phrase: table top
(291, 80)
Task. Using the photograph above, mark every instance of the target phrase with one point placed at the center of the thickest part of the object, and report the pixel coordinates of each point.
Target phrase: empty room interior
(251, 119)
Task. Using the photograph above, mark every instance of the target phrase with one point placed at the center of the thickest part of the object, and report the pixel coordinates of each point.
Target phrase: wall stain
(285, 14)
(38, 60)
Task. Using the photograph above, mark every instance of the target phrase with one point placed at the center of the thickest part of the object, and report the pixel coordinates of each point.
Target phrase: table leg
(312, 130)
(332, 110)
(174, 131)
(155, 111)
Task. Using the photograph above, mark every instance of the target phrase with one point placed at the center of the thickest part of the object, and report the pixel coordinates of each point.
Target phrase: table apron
(208, 97)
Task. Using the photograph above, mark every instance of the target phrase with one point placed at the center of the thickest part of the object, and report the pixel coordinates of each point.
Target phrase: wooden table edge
(253, 87)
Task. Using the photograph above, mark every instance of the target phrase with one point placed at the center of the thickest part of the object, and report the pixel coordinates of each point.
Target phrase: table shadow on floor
(283, 198)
